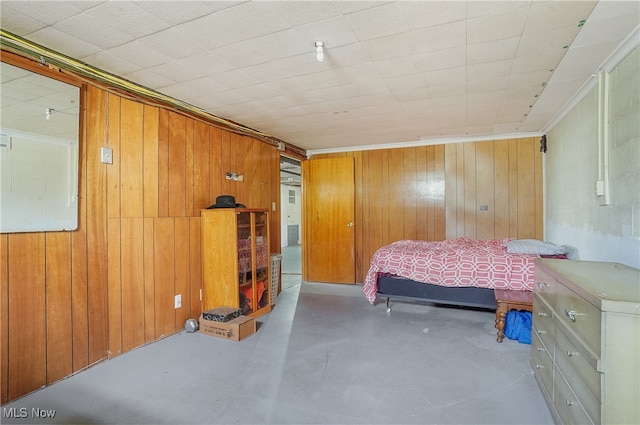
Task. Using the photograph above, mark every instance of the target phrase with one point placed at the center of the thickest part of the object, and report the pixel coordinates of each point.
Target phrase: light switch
(106, 155)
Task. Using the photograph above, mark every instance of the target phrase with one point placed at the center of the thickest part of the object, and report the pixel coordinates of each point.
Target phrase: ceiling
(394, 72)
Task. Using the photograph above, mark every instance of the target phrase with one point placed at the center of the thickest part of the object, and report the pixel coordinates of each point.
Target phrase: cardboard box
(235, 330)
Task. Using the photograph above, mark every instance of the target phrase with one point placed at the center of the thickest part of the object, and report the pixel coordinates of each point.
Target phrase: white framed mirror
(39, 152)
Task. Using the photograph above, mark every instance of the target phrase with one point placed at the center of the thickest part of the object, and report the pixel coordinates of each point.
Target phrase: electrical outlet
(178, 301)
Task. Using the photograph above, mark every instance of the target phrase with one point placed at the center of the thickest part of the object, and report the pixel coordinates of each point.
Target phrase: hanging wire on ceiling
(44, 55)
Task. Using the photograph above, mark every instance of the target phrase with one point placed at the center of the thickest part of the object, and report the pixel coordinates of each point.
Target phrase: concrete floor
(324, 355)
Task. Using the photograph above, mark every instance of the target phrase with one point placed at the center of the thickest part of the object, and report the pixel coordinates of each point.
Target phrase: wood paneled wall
(440, 192)
(71, 299)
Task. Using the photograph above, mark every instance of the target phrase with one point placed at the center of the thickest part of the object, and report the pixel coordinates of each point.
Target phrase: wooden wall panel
(4, 318)
(485, 183)
(164, 270)
(409, 203)
(189, 172)
(438, 192)
(59, 332)
(422, 197)
(150, 160)
(195, 268)
(113, 170)
(163, 163)
(131, 159)
(177, 165)
(114, 284)
(96, 225)
(435, 193)
(132, 282)
(201, 197)
(27, 334)
(149, 280)
(501, 196)
(513, 188)
(182, 270)
(216, 173)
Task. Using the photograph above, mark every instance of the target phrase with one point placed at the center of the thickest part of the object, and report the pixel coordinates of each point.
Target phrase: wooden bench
(510, 300)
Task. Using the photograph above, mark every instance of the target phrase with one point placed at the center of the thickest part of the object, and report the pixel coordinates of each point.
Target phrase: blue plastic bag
(518, 326)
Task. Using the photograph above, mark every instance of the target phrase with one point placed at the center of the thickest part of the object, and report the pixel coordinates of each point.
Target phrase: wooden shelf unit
(235, 259)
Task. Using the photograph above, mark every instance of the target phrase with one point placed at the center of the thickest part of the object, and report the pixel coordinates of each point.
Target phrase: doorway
(291, 213)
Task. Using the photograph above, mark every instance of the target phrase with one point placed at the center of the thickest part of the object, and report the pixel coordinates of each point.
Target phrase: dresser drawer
(567, 404)
(543, 324)
(579, 370)
(545, 286)
(542, 362)
(582, 318)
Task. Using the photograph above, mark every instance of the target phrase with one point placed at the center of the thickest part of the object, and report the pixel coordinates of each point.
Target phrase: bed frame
(395, 287)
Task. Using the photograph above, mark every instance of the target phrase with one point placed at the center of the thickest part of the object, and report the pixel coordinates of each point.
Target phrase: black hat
(226, 201)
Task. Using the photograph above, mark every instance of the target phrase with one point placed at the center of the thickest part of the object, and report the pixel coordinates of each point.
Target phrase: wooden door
(328, 243)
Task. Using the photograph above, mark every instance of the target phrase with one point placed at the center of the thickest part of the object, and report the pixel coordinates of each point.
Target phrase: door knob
(350, 224)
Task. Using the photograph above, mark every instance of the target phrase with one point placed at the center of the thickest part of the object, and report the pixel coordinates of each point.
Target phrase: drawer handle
(538, 366)
(570, 403)
(542, 285)
(571, 353)
(571, 314)
(542, 314)
(540, 349)
(540, 332)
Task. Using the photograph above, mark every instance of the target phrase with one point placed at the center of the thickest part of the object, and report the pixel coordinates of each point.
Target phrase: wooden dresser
(585, 347)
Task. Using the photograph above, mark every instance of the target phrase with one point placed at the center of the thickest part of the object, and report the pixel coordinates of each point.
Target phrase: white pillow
(534, 246)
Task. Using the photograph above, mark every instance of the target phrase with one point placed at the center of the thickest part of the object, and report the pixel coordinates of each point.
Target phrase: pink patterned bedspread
(457, 262)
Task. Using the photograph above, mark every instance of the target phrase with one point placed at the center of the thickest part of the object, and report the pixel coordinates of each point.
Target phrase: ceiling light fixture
(319, 51)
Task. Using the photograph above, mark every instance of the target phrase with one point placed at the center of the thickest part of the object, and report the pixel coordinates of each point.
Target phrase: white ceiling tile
(89, 30)
(138, 53)
(235, 79)
(547, 61)
(351, 6)
(481, 85)
(489, 69)
(446, 76)
(389, 47)
(487, 8)
(492, 50)
(205, 86)
(333, 32)
(17, 22)
(47, 12)
(442, 59)
(175, 12)
(379, 21)
(496, 27)
(546, 41)
(63, 43)
(111, 63)
(263, 49)
(127, 18)
(222, 28)
(420, 14)
(148, 78)
(549, 15)
(297, 13)
(440, 37)
(173, 43)
(458, 88)
(396, 67)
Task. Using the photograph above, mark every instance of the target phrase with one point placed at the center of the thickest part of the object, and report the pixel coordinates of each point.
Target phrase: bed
(457, 272)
